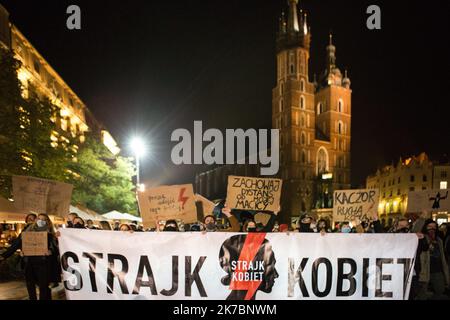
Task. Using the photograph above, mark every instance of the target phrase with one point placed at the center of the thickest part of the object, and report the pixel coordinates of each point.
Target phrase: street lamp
(138, 147)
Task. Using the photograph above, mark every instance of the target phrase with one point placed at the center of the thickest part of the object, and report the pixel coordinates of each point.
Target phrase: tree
(105, 182)
(28, 123)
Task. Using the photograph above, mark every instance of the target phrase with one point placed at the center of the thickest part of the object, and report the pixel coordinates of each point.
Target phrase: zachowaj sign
(361, 204)
(260, 194)
(167, 202)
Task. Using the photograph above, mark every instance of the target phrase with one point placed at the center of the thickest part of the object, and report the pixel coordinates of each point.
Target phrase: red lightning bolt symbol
(181, 198)
(252, 244)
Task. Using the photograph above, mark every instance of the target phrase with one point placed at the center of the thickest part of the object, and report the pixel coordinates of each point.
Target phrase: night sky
(150, 67)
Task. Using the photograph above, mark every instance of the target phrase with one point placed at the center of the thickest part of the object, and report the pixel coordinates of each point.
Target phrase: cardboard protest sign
(429, 200)
(41, 195)
(361, 204)
(34, 243)
(206, 206)
(167, 202)
(260, 194)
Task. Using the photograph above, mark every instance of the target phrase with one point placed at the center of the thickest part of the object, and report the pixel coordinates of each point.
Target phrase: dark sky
(150, 67)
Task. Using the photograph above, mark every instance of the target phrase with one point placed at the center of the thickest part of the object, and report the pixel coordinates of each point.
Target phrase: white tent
(9, 213)
(116, 215)
(87, 214)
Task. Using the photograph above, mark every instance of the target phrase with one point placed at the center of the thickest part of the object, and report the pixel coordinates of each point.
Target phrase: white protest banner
(167, 202)
(247, 193)
(429, 200)
(41, 195)
(361, 204)
(103, 265)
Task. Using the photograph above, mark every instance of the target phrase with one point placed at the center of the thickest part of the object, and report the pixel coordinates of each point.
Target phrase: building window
(303, 175)
(424, 178)
(303, 139)
(302, 102)
(302, 85)
(398, 192)
(424, 188)
(292, 68)
(340, 105)
(303, 121)
(384, 194)
(296, 136)
(412, 189)
(303, 157)
(443, 185)
(443, 174)
(37, 67)
(399, 180)
(319, 108)
(282, 88)
(281, 105)
(340, 127)
(322, 161)
(412, 178)
(390, 194)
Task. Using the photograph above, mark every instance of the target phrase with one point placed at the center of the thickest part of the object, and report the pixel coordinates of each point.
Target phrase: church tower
(313, 118)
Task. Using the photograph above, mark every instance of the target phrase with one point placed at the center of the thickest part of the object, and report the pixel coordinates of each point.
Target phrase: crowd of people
(431, 270)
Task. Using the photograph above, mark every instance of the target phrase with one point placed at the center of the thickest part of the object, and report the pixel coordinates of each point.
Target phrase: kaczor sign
(99, 265)
(260, 194)
(360, 204)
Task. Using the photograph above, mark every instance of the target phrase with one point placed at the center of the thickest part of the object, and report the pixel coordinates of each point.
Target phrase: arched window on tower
(303, 121)
(340, 105)
(302, 102)
(302, 85)
(322, 161)
(303, 157)
(319, 108)
(303, 138)
(281, 105)
(340, 127)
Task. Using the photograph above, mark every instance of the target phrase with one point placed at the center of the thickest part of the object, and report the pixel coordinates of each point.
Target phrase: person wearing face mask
(345, 227)
(210, 223)
(305, 224)
(171, 226)
(78, 223)
(249, 226)
(70, 217)
(434, 271)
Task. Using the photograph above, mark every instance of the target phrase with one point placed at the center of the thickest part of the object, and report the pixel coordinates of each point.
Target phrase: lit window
(340, 106)
(443, 185)
(443, 174)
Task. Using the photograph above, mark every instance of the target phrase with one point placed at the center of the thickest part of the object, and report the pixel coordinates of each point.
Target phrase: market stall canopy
(87, 214)
(116, 215)
(9, 213)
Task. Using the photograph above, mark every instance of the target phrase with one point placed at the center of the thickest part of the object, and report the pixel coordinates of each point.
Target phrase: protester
(41, 270)
(70, 217)
(210, 222)
(140, 228)
(345, 227)
(90, 225)
(304, 224)
(78, 223)
(249, 226)
(116, 226)
(104, 225)
(125, 227)
(322, 226)
(434, 270)
(15, 245)
(171, 226)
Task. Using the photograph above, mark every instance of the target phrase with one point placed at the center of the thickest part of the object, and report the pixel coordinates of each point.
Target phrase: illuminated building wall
(37, 75)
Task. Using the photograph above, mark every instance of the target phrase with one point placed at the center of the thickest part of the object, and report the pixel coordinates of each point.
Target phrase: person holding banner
(434, 270)
(43, 269)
